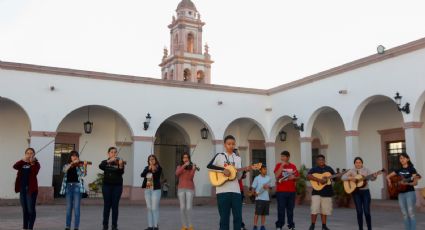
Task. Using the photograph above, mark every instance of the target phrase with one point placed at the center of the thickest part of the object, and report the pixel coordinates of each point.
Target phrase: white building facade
(346, 111)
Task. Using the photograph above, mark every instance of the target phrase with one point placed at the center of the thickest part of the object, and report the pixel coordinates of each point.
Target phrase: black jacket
(113, 174)
(156, 177)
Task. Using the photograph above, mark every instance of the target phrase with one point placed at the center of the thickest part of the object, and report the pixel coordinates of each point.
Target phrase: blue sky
(259, 44)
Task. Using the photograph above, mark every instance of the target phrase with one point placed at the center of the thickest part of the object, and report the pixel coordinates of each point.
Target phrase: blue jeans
(226, 202)
(362, 201)
(285, 204)
(152, 198)
(111, 200)
(407, 202)
(73, 200)
(28, 202)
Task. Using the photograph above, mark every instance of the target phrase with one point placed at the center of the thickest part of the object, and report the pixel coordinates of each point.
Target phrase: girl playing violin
(27, 186)
(113, 169)
(73, 188)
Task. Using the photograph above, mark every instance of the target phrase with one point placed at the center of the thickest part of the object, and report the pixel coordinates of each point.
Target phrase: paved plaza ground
(52, 217)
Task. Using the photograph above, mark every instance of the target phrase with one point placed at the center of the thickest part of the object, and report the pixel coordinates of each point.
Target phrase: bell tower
(188, 59)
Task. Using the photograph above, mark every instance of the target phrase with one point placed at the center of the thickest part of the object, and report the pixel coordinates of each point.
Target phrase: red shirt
(287, 185)
(33, 184)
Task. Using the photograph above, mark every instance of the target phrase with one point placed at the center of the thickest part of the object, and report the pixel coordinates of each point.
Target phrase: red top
(32, 179)
(287, 185)
(240, 184)
(185, 177)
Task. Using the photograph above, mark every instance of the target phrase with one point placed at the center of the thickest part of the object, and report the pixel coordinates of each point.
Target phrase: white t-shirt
(221, 161)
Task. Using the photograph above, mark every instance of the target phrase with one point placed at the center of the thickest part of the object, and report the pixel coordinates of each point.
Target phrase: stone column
(142, 148)
(351, 147)
(45, 156)
(218, 146)
(414, 146)
(306, 152)
(271, 158)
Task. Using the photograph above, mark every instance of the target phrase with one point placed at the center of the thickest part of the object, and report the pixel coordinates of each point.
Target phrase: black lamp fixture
(204, 133)
(88, 125)
(147, 122)
(282, 136)
(295, 123)
(405, 108)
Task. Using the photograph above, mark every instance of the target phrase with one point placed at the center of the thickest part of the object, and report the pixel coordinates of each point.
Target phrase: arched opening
(328, 134)
(381, 138)
(176, 135)
(171, 77)
(14, 127)
(250, 142)
(200, 76)
(109, 129)
(287, 138)
(190, 43)
(186, 75)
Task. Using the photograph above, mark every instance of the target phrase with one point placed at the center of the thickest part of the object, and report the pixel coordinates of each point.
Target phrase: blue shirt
(258, 183)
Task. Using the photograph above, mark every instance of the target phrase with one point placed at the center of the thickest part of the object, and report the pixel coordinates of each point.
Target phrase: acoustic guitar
(361, 181)
(218, 178)
(400, 182)
(327, 176)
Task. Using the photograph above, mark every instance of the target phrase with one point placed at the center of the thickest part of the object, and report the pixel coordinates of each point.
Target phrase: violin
(81, 163)
(117, 161)
(189, 167)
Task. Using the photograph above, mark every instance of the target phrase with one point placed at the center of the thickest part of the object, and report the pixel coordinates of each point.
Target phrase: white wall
(14, 127)
(292, 144)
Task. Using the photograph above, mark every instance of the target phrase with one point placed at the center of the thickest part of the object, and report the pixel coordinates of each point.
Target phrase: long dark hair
(154, 157)
(405, 155)
(189, 167)
(73, 153)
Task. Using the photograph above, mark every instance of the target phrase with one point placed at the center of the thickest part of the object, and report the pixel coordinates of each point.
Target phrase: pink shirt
(185, 178)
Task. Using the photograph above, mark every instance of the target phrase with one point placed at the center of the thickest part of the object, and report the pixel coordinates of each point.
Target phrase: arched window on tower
(186, 75)
(176, 43)
(190, 43)
(200, 76)
(171, 77)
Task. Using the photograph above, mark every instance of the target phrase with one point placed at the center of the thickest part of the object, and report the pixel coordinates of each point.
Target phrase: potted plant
(301, 185)
(342, 199)
(96, 185)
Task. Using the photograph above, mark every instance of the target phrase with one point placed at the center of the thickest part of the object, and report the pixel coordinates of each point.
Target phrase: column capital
(306, 139)
(217, 142)
(42, 134)
(413, 125)
(270, 144)
(242, 148)
(143, 138)
(352, 133)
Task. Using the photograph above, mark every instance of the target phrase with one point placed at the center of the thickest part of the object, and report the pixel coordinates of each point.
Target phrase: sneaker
(105, 227)
(291, 228)
(149, 228)
(278, 228)
(311, 227)
(325, 228)
(255, 228)
(67, 228)
(114, 228)
(262, 227)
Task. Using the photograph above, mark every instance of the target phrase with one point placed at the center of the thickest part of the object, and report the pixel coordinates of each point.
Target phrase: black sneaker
(105, 227)
(114, 228)
(325, 228)
(291, 228)
(67, 228)
(311, 227)
(149, 228)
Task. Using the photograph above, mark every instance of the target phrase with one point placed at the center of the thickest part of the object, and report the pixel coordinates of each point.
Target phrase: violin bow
(45, 146)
